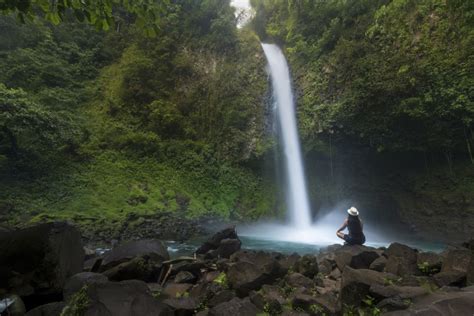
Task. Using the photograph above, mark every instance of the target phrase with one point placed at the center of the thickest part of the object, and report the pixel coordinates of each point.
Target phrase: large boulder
(138, 268)
(356, 257)
(356, 284)
(152, 250)
(234, 307)
(298, 280)
(450, 278)
(222, 244)
(39, 259)
(249, 270)
(125, 298)
(75, 283)
(401, 260)
(182, 306)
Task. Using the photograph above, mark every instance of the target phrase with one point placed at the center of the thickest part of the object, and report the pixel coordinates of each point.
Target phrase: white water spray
(297, 197)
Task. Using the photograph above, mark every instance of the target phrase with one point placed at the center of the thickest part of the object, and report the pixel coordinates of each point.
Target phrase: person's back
(354, 226)
(356, 234)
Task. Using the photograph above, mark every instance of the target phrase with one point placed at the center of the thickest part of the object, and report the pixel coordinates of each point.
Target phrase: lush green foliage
(393, 75)
(134, 124)
(101, 13)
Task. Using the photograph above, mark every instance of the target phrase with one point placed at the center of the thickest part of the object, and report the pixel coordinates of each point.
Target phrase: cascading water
(297, 197)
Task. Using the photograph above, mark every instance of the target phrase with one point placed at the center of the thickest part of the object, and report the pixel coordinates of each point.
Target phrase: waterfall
(297, 196)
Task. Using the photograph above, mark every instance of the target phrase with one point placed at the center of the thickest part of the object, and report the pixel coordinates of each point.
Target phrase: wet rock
(173, 290)
(123, 298)
(356, 257)
(234, 307)
(51, 309)
(393, 304)
(40, 258)
(225, 249)
(250, 270)
(193, 267)
(151, 249)
(320, 305)
(184, 277)
(244, 277)
(298, 280)
(182, 306)
(75, 283)
(221, 297)
(401, 260)
(450, 278)
(307, 266)
(139, 268)
(356, 284)
(205, 291)
(222, 243)
(378, 264)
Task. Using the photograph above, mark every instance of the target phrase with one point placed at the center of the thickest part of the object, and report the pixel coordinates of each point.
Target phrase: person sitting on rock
(354, 225)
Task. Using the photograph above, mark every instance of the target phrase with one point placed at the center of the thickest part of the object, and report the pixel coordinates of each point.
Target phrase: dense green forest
(123, 116)
(97, 125)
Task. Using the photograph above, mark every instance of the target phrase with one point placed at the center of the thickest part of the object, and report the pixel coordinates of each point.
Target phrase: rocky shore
(44, 270)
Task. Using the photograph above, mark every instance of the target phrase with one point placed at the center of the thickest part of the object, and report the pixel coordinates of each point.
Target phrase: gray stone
(234, 307)
(450, 278)
(378, 264)
(356, 257)
(401, 260)
(152, 249)
(356, 284)
(75, 283)
(123, 298)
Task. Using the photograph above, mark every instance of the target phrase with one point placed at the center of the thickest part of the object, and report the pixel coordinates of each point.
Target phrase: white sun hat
(353, 211)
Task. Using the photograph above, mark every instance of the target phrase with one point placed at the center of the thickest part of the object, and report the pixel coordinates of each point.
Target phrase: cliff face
(399, 195)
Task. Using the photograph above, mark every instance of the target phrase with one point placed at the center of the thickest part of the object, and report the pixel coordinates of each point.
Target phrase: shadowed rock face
(152, 248)
(124, 298)
(38, 260)
(221, 245)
